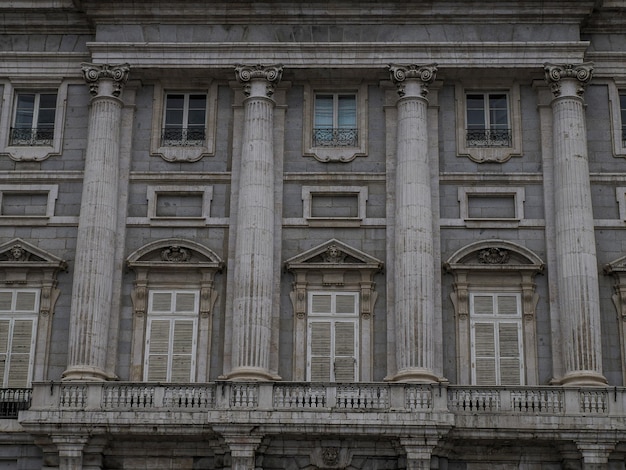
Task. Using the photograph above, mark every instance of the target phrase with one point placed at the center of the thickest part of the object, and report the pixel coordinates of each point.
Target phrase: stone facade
(358, 235)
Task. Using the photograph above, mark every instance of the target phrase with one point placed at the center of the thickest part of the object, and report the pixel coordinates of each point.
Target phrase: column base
(251, 373)
(414, 375)
(85, 374)
(585, 378)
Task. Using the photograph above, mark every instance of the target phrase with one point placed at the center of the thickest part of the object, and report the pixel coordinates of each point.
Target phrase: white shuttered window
(18, 323)
(332, 342)
(171, 337)
(496, 339)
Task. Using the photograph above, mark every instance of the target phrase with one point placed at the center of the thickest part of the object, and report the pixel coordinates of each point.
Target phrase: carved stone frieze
(175, 254)
(555, 73)
(493, 256)
(93, 73)
(424, 74)
(271, 74)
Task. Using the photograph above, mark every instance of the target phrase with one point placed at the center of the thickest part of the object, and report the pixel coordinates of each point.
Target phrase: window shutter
(485, 353)
(162, 302)
(346, 303)
(20, 354)
(345, 350)
(510, 363)
(158, 347)
(185, 302)
(321, 303)
(25, 301)
(483, 304)
(320, 351)
(6, 299)
(4, 347)
(507, 305)
(182, 351)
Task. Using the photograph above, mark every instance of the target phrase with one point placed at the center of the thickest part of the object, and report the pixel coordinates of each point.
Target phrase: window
(18, 323)
(171, 336)
(489, 127)
(334, 203)
(491, 206)
(335, 120)
(185, 119)
(34, 119)
(496, 339)
(179, 202)
(335, 123)
(333, 337)
(27, 200)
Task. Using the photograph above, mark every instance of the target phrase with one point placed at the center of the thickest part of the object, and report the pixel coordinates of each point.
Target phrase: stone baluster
(414, 247)
(95, 246)
(254, 247)
(577, 270)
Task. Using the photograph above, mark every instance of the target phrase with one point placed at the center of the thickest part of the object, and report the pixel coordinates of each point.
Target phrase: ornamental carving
(175, 254)
(425, 74)
(93, 73)
(333, 255)
(17, 253)
(247, 73)
(557, 72)
(493, 256)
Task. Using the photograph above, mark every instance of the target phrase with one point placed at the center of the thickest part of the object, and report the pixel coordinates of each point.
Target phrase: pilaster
(94, 266)
(595, 454)
(243, 445)
(253, 290)
(414, 245)
(579, 299)
(70, 450)
(418, 452)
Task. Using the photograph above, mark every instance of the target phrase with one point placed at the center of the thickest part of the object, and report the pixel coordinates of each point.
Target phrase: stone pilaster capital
(423, 75)
(270, 75)
(94, 74)
(580, 74)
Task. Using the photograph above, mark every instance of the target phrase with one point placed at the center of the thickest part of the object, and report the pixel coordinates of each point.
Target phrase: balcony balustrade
(489, 137)
(13, 400)
(335, 137)
(32, 137)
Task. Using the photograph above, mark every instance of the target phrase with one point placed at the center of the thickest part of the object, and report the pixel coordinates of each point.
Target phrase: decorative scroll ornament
(175, 254)
(493, 256)
(333, 255)
(423, 73)
(93, 73)
(247, 73)
(556, 72)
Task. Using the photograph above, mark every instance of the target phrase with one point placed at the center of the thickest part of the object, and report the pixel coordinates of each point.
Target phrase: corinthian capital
(270, 74)
(556, 73)
(94, 73)
(424, 75)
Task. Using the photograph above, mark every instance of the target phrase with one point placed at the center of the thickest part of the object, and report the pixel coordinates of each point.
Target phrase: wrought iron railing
(178, 137)
(14, 400)
(624, 136)
(32, 137)
(489, 137)
(335, 137)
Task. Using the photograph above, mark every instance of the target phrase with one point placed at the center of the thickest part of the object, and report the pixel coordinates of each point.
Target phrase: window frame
(466, 192)
(337, 153)
(153, 193)
(495, 154)
(185, 126)
(309, 192)
(36, 113)
(51, 190)
(617, 90)
(183, 153)
(36, 152)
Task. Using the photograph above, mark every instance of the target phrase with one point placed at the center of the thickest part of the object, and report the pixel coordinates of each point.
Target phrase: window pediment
(333, 254)
(494, 255)
(20, 261)
(175, 252)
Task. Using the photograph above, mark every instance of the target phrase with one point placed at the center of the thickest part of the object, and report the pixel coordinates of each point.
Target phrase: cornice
(43, 17)
(42, 64)
(345, 55)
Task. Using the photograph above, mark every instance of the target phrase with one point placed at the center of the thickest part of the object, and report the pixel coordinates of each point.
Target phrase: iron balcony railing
(335, 137)
(32, 137)
(14, 400)
(178, 137)
(489, 137)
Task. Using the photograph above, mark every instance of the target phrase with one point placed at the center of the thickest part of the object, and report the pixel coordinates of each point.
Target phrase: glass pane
(25, 110)
(175, 102)
(347, 111)
(475, 119)
(196, 117)
(45, 118)
(174, 118)
(324, 111)
(197, 102)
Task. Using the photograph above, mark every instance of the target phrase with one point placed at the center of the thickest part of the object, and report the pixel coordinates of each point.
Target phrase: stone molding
(247, 74)
(423, 74)
(556, 73)
(95, 73)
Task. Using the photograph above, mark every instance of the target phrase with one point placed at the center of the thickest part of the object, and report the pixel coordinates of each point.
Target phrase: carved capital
(424, 75)
(556, 73)
(94, 73)
(271, 74)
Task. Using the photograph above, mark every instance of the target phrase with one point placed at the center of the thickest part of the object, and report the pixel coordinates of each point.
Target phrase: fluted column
(95, 245)
(577, 275)
(414, 250)
(254, 248)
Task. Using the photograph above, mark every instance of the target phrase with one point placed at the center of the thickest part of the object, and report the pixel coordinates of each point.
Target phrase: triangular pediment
(333, 253)
(19, 253)
(618, 265)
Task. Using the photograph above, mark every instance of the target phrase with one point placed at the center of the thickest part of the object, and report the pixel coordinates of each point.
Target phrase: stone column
(254, 262)
(414, 249)
(95, 246)
(577, 270)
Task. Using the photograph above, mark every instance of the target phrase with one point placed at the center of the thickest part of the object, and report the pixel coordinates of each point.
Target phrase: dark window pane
(174, 118)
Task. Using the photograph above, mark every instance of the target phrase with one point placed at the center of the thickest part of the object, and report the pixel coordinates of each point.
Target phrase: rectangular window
(171, 336)
(332, 352)
(18, 322)
(33, 122)
(185, 119)
(488, 120)
(496, 339)
(179, 202)
(335, 120)
(334, 202)
(28, 200)
(491, 207)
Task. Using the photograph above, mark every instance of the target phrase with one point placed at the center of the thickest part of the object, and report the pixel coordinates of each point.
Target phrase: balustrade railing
(32, 137)
(489, 137)
(335, 137)
(178, 137)
(13, 400)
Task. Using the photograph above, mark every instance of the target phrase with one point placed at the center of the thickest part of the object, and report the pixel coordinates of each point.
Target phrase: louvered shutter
(20, 354)
(484, 351)
(182, 350)
(510, 353)
(6, 301)
(345, 304)
(162, 302)
(345, 351)
(5, 325)
(158, 351)
(320, 359)
(185, 302)
(321, 304)
(25, 301)
(483, 304)
(507, 305)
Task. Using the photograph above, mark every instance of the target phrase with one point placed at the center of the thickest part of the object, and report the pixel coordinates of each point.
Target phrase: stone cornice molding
(423, 74)
(95, 73)
(271, 74)
(556, 73)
